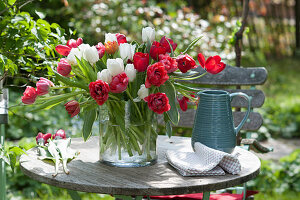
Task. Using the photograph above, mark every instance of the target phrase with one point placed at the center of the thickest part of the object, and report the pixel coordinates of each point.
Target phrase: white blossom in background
(148, 33)
(91, 55)
(105, 76)
(115, 66)
(127, 51)
(72, 56)
(110, 37)
(143, 92)
(130, 72)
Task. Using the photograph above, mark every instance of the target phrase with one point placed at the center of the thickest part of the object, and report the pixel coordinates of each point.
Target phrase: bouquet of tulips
(147, 75)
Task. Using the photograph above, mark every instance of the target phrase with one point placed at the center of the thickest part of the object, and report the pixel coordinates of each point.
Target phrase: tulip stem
(137, 108)
(191, 78)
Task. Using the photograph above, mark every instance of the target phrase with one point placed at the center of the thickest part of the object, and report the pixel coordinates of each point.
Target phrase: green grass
(275, 196)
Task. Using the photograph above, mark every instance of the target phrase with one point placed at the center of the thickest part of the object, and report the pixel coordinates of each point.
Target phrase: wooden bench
(229, 79)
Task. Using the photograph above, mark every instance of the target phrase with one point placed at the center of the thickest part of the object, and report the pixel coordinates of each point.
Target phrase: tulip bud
(63, 67)
(72, 43)
(148, 33)
(72, 107)
(105, 76)
(101, 49)
(115, 66)
(127, 51)
(130, 72)
(60, 134)
(79, 41)
(143, 92)
(42, 87)
(29, 95)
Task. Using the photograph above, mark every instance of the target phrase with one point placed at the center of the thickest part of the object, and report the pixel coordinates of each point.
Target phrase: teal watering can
(213, 125)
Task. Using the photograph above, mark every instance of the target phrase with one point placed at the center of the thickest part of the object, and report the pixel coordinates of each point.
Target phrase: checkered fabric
(204, 161)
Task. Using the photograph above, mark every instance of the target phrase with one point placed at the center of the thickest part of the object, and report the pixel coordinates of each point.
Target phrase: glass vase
(127, 134)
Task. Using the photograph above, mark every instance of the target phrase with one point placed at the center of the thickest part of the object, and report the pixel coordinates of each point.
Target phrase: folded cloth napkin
(204, 161)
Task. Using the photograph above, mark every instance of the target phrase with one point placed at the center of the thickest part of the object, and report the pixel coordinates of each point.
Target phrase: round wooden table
(87, 174)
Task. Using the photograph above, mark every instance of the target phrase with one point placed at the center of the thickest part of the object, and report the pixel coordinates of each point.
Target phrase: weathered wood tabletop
(89, 175)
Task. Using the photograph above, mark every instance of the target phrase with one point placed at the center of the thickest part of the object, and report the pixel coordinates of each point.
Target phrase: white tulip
(91, 55)
(110, 37)
(130, 72)
(83, 47)
(115, 66)
(72, 56)
(143, 92)
(105, 76)
(127, 51)
(148, 33)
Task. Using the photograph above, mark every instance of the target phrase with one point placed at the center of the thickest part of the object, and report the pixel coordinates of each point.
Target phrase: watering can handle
(238, 128)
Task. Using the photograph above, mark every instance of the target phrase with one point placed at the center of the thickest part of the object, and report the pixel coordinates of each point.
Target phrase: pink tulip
(42, 87)
(79, 41)
(63, 67)
(29, 95)
(101, 49)
(50, 82)
(119, 83)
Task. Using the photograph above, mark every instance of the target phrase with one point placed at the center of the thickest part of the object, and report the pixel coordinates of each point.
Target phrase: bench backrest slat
(234, 76)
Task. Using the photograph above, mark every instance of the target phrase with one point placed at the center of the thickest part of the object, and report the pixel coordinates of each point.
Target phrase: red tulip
(158, 102)
(63, 67)
(119, 83)
(63, 50)
(156, 75)
(141, 61)
(42, 139)
(72, 43)
(165, 44)
(156, 49)
(29, 95)
(101, 49)
(72, 107)
(185, 63)
(99, 91)
(212, 65)
(79, 41)
(60, 134)
(121, 38)
(183, 103)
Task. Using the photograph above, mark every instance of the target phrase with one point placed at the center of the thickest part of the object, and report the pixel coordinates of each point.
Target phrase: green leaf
(168, 125)
(187, 88)
(87, 69)
(172, 51)
(68, 82)
(17, 150)
(169, 89)
(89, 116)
(192, 44)
(57, 99)
(12, 160)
